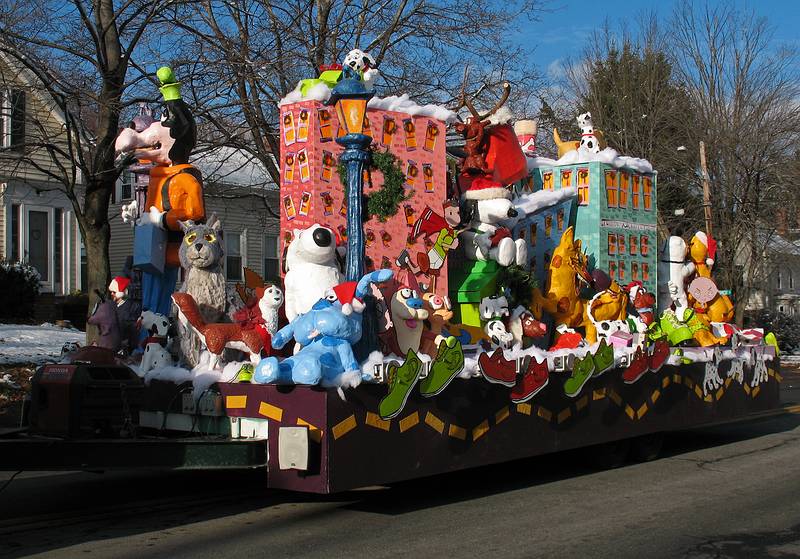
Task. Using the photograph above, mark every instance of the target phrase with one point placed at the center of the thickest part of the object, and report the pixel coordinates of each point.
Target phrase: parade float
(440, 308)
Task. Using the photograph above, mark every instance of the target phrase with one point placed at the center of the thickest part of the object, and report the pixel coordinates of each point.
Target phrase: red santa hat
(119, 285)
(346, 294)
(484, 188)
(633, 289)
(709, 242)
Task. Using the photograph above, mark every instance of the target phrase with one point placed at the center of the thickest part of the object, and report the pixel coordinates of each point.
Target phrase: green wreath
(385, 201)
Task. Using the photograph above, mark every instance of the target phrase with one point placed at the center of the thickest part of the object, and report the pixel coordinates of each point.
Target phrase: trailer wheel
(608, 456)
(646, 447)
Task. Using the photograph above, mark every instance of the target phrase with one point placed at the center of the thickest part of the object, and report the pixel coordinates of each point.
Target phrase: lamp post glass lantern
(350, 98)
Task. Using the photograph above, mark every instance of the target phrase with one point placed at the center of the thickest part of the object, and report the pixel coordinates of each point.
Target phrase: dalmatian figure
(364, 65)
(591, 139)
(157, 343)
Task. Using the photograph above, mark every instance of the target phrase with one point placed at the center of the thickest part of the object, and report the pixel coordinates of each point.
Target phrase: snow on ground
(21, 343)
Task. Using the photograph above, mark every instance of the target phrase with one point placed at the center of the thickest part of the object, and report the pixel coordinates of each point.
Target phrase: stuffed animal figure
(156, 344)
(201, 255)
(485, 238)
(440, 312)
(606, 312)
(326, 332)
(673, 273)
(104, 317)
(592, 139)
(175, 191)
(311, 268)
(128, 312)
(217, 337)
(364, 65)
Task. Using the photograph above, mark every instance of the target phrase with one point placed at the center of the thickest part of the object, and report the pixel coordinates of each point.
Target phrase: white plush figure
(270, 299)
(589, 138)
(157, 344)
(673, 271)
(364, 64)
(481, 240)
(311, 269)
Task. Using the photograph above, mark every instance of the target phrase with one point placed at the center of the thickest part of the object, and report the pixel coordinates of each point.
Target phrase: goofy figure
(175, 191)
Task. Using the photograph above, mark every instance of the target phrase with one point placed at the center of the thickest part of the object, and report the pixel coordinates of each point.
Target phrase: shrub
(786, 328)
(19, 287)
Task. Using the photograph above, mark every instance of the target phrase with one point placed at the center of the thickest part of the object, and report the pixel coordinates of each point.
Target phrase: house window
(84, 270)
(635, 192)
(58, 220)
(548, 225)
(634, 271)
(583, 187)
(13, 120)
(645, 271)
(611, 189)
(566, 178)
(648, 193)
(621, 244)
(621, 270)
(624, 181)
(271, 266)
(126, 185)
(233, 256)
(612, 270)
(781, 308)
(791, 279)
(612, 244)
(633, 241)
(15, 233)
(547, 180)
(778, 282)
(643, 245)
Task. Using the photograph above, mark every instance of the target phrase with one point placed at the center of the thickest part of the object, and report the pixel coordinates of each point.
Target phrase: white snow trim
(399, 104)
(583, 155)
(319, 92)
(403, 104)
(542, 199)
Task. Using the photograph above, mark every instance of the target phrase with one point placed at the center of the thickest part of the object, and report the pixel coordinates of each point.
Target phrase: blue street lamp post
(350, 98)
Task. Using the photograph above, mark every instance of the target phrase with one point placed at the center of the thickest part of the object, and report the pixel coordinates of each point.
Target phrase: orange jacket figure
(178, 191)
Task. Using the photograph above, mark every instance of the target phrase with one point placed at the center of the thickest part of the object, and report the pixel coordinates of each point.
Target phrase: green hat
(170, 87)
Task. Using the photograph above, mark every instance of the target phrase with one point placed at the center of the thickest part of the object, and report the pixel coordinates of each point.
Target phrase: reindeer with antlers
(474, 130)
(493, 160)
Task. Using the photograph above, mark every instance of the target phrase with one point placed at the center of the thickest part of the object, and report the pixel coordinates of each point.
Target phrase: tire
(608, 456)
(647, 447)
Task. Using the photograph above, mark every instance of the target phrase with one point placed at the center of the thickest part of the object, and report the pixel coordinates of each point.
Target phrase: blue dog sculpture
(326, 333)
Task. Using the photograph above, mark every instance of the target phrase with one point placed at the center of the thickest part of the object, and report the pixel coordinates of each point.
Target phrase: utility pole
(706, 189)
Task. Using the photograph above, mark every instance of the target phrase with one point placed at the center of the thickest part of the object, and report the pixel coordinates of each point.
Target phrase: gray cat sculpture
(201, 255)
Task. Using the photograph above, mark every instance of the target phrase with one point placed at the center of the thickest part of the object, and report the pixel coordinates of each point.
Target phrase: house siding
(246, 214)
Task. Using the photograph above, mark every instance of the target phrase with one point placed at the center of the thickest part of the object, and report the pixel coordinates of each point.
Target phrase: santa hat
(119, 285)
(633, 288)
(346, 293)
(483, 188)
(709, 242)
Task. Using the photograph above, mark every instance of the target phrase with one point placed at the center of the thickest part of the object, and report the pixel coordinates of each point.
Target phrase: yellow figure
(701, 252)
(611, 304)
(562, 285)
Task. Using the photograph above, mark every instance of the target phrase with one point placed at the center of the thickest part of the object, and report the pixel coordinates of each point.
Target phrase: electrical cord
(9, 480)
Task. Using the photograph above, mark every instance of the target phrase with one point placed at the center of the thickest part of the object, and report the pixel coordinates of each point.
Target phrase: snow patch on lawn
(37, 345)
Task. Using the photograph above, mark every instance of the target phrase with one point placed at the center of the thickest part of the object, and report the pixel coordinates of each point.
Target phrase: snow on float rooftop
(396, 103)
(583, 155)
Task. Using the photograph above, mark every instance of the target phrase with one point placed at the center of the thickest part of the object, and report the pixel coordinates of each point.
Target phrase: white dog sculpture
(364, 64)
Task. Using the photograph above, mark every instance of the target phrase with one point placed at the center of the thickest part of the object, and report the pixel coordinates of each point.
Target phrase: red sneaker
(497, 369)
(531, 382)
(658, 355)
(637, 368)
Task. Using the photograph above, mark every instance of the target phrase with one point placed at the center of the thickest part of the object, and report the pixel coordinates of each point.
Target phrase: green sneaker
(244, 374)
(603, 358)
(448, 363)
(401, 381)
(655, 333)
(581, 373)
(677, 332)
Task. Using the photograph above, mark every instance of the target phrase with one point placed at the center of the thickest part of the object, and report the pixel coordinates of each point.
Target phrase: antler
(503, 99)
(464, 102)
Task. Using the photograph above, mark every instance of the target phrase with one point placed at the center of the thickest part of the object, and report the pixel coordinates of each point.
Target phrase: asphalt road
(724, 492)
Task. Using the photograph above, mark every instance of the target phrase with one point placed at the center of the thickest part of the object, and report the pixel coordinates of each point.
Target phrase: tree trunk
(96, 233)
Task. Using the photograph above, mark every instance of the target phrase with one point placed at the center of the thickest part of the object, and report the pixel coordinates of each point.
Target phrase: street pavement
(723, 492)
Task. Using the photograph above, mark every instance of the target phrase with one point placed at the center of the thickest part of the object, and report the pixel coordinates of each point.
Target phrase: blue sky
(561, 31)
